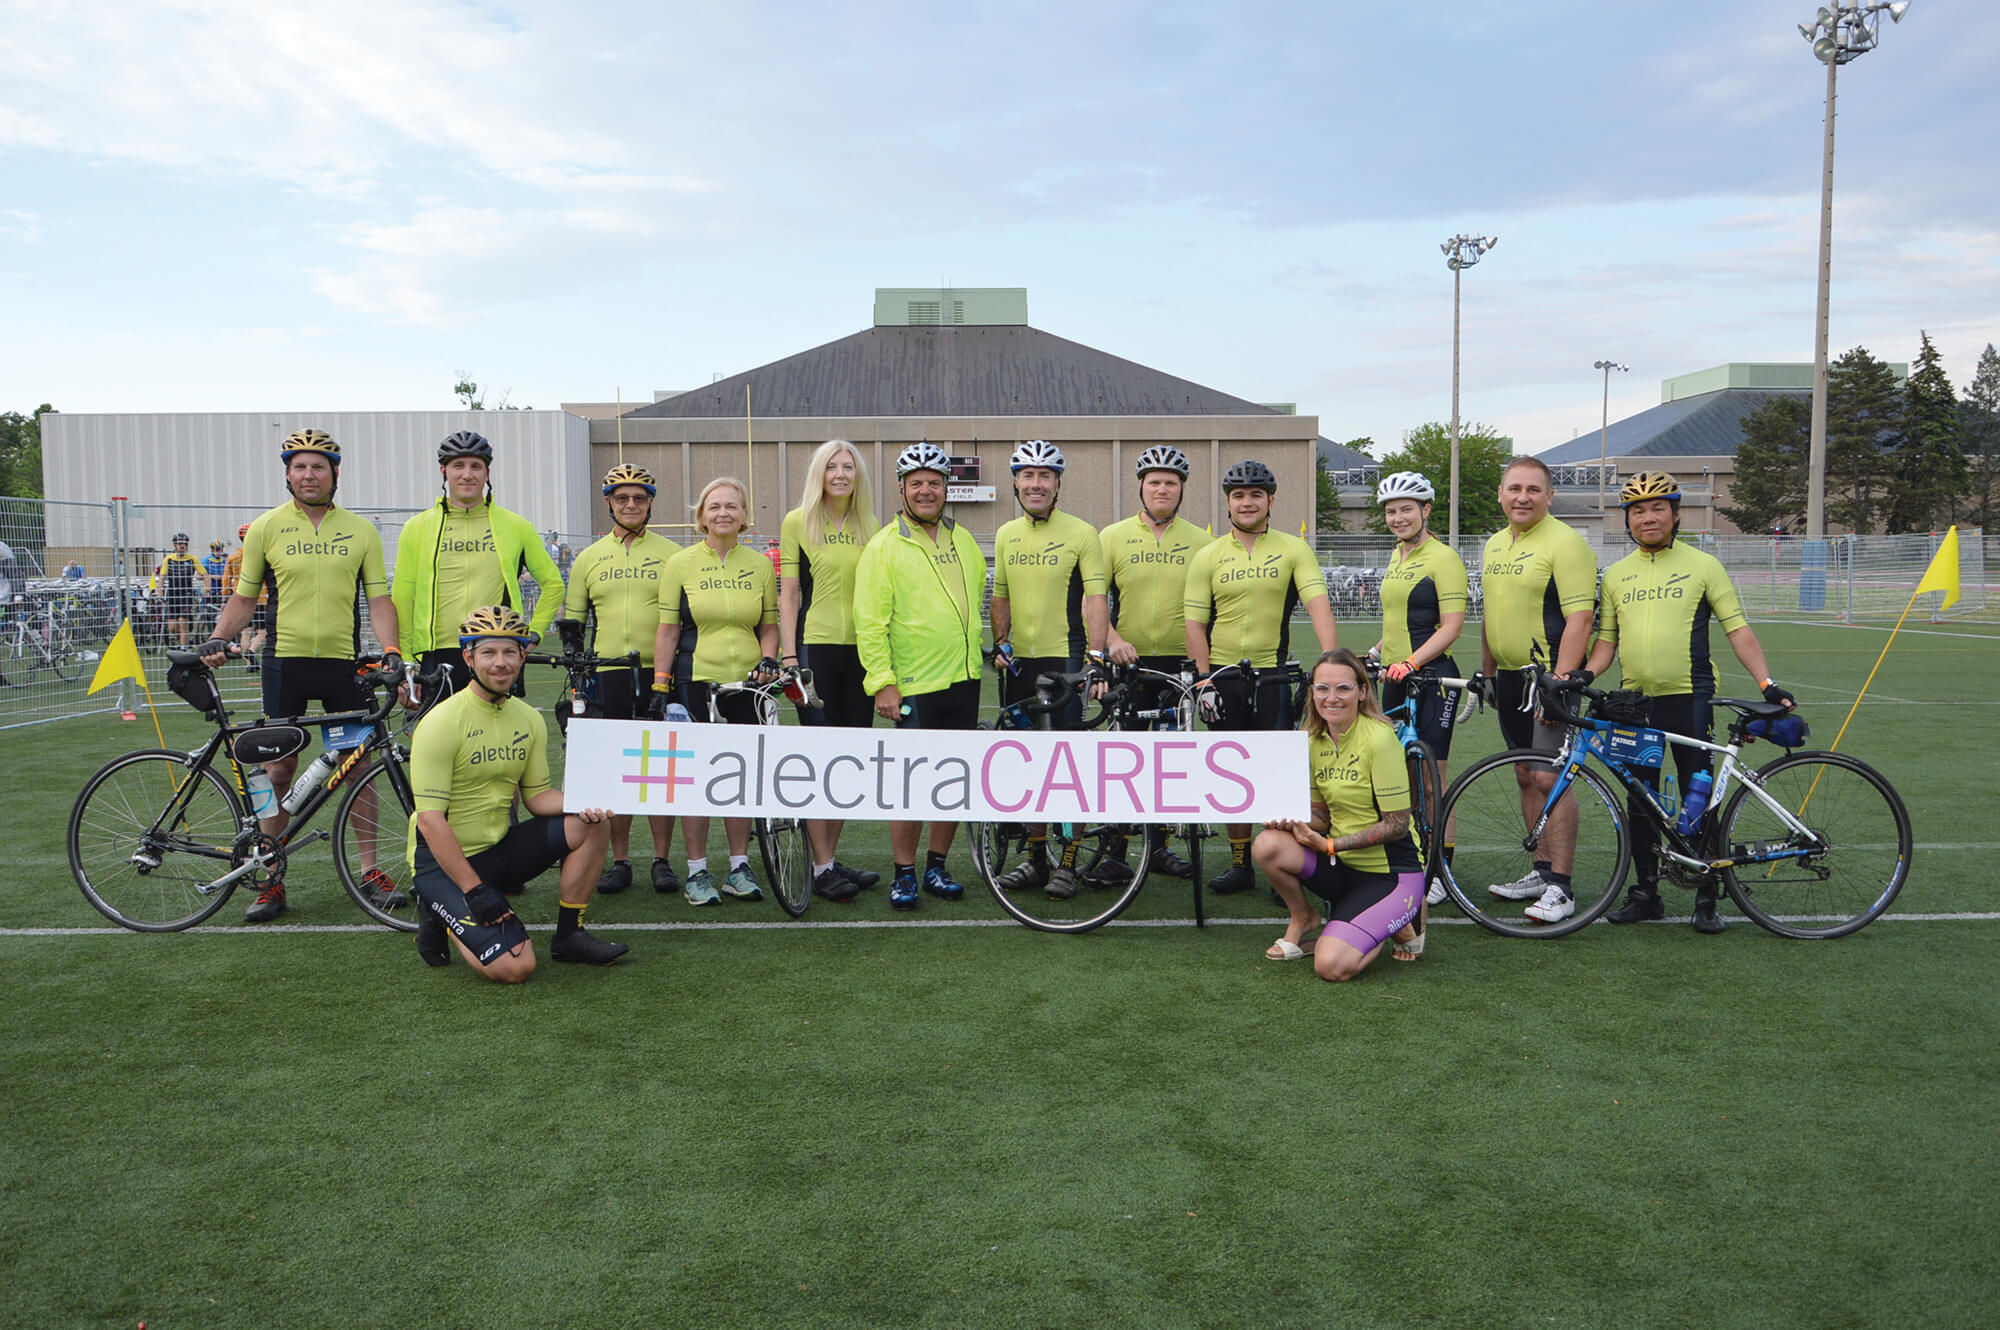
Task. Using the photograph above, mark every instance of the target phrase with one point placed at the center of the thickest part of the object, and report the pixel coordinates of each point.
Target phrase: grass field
(879, 1120)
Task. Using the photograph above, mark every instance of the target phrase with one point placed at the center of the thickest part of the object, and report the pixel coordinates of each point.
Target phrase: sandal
(1284, 949)
(1414, 947)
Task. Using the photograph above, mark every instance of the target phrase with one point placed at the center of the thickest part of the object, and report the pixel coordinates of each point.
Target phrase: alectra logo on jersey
(1048, 557)
(1514, 567)
(514, 750)
(647, 570)
(1268, 568)
(741, 581)
(334, 546)
(1671, 589)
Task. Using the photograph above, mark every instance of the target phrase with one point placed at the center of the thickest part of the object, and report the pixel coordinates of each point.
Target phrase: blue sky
(222, 205)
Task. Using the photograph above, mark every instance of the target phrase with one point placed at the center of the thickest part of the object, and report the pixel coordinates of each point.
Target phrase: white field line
(294, 930)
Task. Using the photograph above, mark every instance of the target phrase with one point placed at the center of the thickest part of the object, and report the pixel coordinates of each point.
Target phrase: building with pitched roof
(964, 369)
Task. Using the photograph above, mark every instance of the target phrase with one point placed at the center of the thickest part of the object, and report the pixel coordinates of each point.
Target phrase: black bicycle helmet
(465, 443)
(1249, 475)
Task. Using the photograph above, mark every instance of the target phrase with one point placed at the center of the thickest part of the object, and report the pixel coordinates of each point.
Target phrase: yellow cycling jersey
(1247, 596)
(1530, 584)
(312, 578)
(1044, 568)
(1357, 780)
(1657, 609)
(618, 586)
(467, 758)
(1418, 590)
(1146, 577)
(721, 600)
(825, 574)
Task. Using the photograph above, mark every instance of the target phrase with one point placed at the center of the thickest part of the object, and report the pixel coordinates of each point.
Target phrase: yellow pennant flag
(1302, 531)
(121, 661)
(1942, 575)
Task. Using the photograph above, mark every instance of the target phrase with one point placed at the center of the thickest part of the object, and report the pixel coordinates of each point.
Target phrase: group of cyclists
(887, 618)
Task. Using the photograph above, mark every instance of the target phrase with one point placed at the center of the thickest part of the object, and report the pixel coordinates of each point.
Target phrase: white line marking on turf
(293, 930)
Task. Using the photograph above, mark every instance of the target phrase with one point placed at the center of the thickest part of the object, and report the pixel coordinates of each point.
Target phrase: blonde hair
(701, 501)
(812, 503)
(1366, 703)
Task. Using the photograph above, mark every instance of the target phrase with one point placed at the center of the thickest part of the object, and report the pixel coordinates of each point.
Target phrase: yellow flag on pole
(1942, 575)
(121, 661)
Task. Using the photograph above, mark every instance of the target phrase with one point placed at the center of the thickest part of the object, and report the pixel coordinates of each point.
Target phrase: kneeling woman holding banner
(1358, 853)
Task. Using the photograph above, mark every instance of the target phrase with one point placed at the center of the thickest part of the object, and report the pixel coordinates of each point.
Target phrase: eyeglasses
(630, 500)
(1338, 689)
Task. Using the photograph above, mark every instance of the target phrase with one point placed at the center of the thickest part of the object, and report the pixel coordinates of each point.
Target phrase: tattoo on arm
(1393, 826)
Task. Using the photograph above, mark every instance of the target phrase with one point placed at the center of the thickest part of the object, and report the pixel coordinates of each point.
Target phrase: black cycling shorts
(527, 851)
(1271, 694)
(1518, 728)
(955, 707)
(1437, 710)
(290, 682)
(1690, 714)
(178, 604)
(619, 695)
(837, 677)
(1020, 687)
(738, 707)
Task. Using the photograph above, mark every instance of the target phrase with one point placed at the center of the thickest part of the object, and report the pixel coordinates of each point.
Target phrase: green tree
(1979, 440)
(1930, 466)
(1482, 455)
(1770, 485)
(468, 391)
(1864, 433)
(21, 453)
(1326, 500)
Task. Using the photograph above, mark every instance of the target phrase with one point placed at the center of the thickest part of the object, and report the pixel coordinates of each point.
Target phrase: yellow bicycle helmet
(1650, 485)
(627, 474)
(494, 621)
(310, 441)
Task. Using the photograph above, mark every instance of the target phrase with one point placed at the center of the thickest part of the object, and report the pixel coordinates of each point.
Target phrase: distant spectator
(73, 571)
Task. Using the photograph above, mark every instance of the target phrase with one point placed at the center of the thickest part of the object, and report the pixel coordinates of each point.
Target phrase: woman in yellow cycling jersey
(724, 596)
(1357, 853)
(820, 543)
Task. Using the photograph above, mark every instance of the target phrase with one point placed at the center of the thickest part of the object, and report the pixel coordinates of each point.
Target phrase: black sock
(1545, 867)
(906, 869)
(569, 918)
(932, 859)
(1560, 879)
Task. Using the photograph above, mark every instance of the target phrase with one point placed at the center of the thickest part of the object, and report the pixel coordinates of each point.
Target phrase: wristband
(1767, 682)
(1326, 844)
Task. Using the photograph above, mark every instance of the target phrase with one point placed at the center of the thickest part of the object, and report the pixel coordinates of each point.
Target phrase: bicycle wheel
(1426, 801)
(1111, 863)
(1860, 847)
(782, 843)
(370, 833)
(1493, 850)
(148, 836)
(62, 655)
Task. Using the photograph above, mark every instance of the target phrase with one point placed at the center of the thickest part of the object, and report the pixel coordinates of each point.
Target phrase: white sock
(737, 861)
(826, 867)
(697, 866)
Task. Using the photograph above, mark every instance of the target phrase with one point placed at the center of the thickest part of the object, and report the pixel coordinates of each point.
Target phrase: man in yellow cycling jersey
(1659, 601)
(1145, 568)
(615, 582)
(465, 551)
(1540, 583)
(471, 756)
(312, 561)
(917, 627)
(1048, 609)
(173, 582)
(1241, 591)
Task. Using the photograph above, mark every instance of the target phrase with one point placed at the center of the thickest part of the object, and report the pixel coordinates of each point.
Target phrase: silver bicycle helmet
(923, 456)
(1404, 485)
(1037, 452)
(1162, 457)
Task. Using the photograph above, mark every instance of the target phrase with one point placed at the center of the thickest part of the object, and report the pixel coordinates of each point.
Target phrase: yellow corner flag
(1302, 531)
(1942, 575)
(121, 661)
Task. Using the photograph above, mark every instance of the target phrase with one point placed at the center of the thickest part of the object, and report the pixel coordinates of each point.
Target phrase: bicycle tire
(1426, 801)
(115, 817)
(1491, 846)
(1849, 884)
(380, 834)
(781, 841)
(1000, 847)
(62, 654)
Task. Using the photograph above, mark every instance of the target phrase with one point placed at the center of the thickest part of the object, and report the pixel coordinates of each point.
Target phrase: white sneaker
(1522, 889)
(1555, 906)
(1435, 896)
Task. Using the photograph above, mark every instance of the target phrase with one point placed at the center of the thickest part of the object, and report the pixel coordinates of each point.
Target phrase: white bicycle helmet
(1037, 452)
(1161, 457)
(1404, 485)
(923, 456)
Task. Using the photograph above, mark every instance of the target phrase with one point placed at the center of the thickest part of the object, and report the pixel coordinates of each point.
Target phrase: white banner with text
(672, 768)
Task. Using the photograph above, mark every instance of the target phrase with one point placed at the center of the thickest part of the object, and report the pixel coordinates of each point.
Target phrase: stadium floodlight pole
(1604, 429)
(1842, 31)
(1460, 253)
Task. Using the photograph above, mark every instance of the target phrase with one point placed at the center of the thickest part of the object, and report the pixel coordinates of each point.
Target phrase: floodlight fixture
(1604, 432)
(1460, 253)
